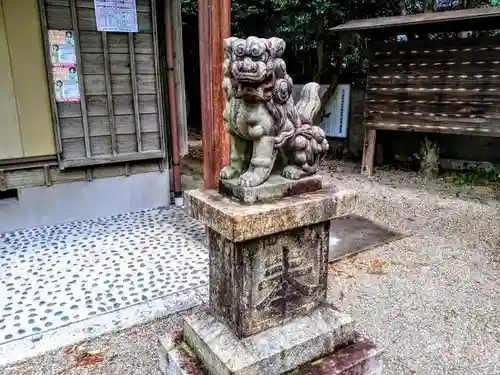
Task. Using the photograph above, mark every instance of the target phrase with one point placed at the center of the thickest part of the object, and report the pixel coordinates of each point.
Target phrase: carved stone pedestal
(268, 280)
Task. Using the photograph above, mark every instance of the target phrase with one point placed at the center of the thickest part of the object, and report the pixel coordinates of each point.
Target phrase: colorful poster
(66, 84)
(62, 48)
(116, 16)
(64, 69)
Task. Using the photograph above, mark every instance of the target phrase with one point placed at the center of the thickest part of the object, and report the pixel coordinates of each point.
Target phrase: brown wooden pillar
(213, 23)
(369, 151)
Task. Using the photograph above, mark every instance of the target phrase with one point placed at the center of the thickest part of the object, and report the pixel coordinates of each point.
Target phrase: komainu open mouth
(249, 77)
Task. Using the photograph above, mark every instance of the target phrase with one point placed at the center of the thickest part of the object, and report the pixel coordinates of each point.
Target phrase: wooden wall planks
(121, 115)
(46, 175)
(445, 86)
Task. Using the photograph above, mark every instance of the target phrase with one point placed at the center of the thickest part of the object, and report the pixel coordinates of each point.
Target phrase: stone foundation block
(359, 357)
(268, 262)
(267, 312)
(268, 281)
(274, 351)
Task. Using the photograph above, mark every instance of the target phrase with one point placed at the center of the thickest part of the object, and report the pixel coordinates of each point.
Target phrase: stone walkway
(65, 283)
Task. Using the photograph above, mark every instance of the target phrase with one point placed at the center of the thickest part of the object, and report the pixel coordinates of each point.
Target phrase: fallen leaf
(377, 267)
(88, 359)
(93, 352)
(341, 296)
(376, 271)
(379, 263)
(350, 260)
(71, 349)
(451, 314)
(132, 332)
(84, 358)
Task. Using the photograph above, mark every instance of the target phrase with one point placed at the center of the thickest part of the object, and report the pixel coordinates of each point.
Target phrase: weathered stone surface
(274, 188)
(241, 222)
(268, 237)
(262, 118)
(274, 351)
(360, 357)
(176, 358)
(265, 282)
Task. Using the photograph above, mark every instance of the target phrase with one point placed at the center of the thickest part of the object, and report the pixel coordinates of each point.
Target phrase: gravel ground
(132, 351)
(429, 299)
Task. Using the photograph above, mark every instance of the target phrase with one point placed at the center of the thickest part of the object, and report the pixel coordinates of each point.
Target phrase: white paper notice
(119, 16)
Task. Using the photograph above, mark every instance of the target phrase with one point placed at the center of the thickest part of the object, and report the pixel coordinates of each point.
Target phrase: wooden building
(426, 75)
(85, 128)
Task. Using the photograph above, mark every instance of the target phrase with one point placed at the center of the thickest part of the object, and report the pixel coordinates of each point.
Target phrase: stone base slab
(274, 351)
(239, 222)
(275, 187)
(360, 357)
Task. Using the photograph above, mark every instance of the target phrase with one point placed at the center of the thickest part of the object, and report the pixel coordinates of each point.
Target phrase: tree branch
(320, 52)
(344, 41)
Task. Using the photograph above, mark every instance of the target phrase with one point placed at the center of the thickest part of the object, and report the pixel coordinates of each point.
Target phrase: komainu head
(254, 64)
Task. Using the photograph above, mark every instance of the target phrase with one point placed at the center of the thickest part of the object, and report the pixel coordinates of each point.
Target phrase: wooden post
(369, 151)
(175, 11)
(214, 24)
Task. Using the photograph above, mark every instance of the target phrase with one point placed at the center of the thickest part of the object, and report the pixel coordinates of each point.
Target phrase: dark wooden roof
(464, 17)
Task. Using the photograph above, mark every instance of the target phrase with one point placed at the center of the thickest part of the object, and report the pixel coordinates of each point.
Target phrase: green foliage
(474, 177)
(305, 25)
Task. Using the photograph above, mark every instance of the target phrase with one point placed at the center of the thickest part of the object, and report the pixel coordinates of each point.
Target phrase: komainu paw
(229, 172)
(250, 179)
(292, 172)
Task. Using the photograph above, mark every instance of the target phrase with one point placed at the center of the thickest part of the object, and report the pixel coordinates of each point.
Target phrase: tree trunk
(320, 52)
(429, 157)
(464, 34)
(402, 7)
(321, 57)
(425, 6)
(344, 41)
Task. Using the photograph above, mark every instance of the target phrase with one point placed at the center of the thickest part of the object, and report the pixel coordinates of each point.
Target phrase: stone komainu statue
(261, 116)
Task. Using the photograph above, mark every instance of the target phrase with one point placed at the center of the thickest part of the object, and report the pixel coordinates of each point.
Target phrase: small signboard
(119, 16)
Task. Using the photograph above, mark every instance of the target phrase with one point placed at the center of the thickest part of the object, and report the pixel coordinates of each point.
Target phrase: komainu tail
(309, 103)
(309, 142)
(311, 138)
